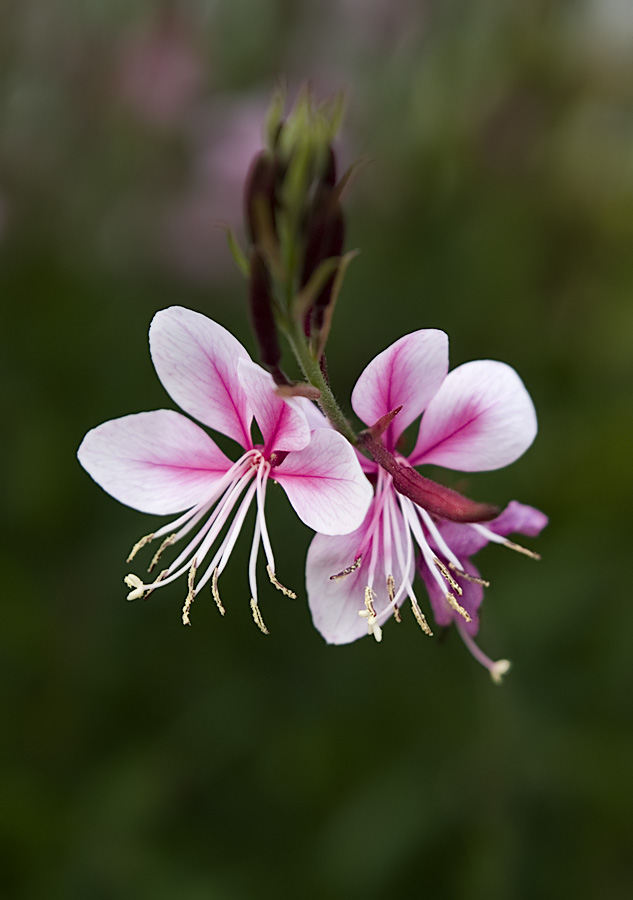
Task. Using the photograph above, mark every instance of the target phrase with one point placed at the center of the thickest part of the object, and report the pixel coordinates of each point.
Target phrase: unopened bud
(260, 195)
(261, 309)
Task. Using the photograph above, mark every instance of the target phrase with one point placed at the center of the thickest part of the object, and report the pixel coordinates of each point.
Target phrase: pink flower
(477, 418)
(160, 462)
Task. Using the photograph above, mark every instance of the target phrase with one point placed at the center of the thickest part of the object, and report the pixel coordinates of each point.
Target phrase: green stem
(313, 374)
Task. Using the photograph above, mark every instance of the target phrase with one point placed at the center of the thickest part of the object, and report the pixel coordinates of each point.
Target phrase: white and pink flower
(478, 417)
(162, 463)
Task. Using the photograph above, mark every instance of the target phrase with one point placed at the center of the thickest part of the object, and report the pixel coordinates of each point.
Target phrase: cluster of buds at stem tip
(296, 228)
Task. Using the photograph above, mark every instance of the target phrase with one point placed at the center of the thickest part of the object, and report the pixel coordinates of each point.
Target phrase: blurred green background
(143, 758)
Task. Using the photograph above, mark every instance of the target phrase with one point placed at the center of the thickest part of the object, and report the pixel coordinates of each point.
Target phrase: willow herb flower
(162, 463)
(478, 417)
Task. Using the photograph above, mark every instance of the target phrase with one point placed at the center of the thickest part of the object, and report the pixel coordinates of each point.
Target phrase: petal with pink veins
(157, 462)
(335, 604)
(325, 484)
(196, 361)
(482, 418)
(282, 422)
(408, 374)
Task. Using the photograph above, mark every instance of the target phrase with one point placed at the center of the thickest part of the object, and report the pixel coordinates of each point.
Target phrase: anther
(138, 588)
(284, 590)
(369, 613)
(215, 592)
(446, 575)
(452, 602)
(166, 543)
(499, 669)
(152, 587)
(519, 549)
(475, 579)
(190, 594)
(257, 616)
(348, 570)
(139, 545)
(420, 617)
(392, 596)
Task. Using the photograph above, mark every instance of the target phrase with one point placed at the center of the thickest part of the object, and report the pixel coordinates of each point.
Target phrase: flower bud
(261, 308)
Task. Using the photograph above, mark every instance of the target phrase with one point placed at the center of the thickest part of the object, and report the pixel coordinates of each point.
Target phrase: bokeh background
(141, 758)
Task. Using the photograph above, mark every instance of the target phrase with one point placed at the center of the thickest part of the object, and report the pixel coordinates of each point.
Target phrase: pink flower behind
(161, 462)
(478, 417)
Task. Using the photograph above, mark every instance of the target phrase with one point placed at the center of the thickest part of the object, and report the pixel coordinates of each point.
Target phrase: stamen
(452, 602)
(420, 617)
(215, 592)
(284, 590)
(152, 587)
(467, 577)
(257, 616)
(391, 585)
(191, 594)
(139, 545)
(369, 613)
(138, 588)
(348, 570)
(519, 549)
(447, 575)
(166, 543)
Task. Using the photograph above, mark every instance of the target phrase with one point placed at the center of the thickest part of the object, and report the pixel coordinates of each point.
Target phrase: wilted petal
(196, 360)
(481, 418)
(408, 374)
(325, 484)
(157, 462)
(283, 423)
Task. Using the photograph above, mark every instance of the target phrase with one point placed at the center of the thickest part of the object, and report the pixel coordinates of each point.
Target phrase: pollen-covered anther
(420, 617)
(280, 587)
(166, 543)
(139, 546)
(446, 575)
(215, 592)
(348, 571)
(453, 603)
(152, 587)
(190, 594)
(391, 590)
(499, 669)
(519, 549)
(257, 616)
(369, 613)
(475, 579)
(138, 588)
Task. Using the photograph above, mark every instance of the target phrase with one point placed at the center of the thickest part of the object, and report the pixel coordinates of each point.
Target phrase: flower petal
(481, 418)
(157, 462)
(408, 374)
(520, 519)
(282, 422)
(196, 361)
(325, 484)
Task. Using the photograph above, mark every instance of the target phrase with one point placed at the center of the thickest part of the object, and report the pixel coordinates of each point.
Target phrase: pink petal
(481, 418)
(325, 484)
(471, 599)
(196, 360)
(408, 374)
(313, 414)
(157, 462)
(517, 518)
(335, 604)
(282, 422)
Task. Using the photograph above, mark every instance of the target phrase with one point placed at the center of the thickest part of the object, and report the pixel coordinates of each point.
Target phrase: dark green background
(141, 758)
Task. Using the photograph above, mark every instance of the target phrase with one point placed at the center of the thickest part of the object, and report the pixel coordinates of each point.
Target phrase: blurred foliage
(143, 758)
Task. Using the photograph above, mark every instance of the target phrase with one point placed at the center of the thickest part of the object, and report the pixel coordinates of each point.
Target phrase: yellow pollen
(420, 617)
(519, 549)
(139, 545)
(215, 592)
(369, 613)
(447, 576)
(452, 602)
(284, 590)
(190, 594)
(474, 578)
(138, 588)
(348, 570)
(257, 616)
(392, 596)
(166, 543)
(152, 587)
